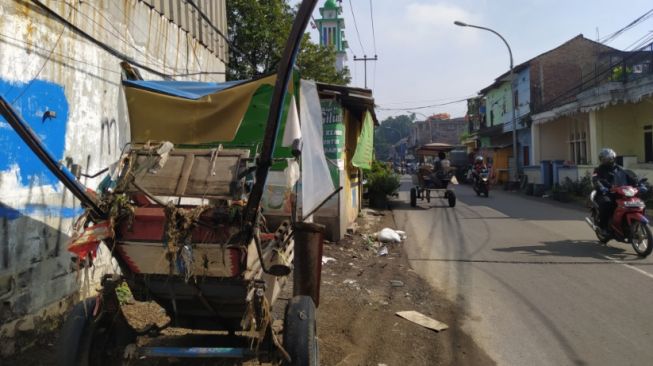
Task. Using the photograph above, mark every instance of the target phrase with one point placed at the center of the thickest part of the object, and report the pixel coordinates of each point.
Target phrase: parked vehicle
(481, 183)
(189, 234)
(628, 223)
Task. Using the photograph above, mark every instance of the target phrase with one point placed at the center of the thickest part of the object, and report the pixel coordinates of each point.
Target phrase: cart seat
(199, 173)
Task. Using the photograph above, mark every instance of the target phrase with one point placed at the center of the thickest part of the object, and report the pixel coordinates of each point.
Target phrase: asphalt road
(535, 285)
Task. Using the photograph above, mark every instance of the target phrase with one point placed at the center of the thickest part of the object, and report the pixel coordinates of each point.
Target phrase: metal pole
(515, 170)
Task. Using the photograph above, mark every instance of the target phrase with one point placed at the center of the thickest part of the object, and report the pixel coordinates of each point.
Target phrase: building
(614, 111)
(60, 68)
(331, 28)
(436, 128)
(347, 113)
(541, 83)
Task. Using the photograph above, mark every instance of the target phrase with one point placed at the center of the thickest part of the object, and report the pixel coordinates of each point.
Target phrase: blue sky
(425, 59)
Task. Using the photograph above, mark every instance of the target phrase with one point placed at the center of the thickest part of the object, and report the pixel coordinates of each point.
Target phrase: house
(539, 84)
(615, 111)
(436, 128)
(73, 100)
(348, 120)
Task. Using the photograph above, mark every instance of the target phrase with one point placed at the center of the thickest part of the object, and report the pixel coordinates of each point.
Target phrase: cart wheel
(413, 197)
(88, 340)
(300, 333)
(452, 198)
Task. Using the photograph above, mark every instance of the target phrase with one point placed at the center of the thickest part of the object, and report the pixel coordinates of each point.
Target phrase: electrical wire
(373, 32)
(614, 35)
(45, 62)
(97, 42)
(210, 23)
(358, 35)
(422, 107)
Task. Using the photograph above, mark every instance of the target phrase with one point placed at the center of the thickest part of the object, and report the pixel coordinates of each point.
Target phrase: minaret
(332, 31)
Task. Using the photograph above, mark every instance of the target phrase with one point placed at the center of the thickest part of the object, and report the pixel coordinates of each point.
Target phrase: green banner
(365, 147)
(333, 137)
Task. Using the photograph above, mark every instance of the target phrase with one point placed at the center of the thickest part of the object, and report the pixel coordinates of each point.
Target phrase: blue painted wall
(32, 100)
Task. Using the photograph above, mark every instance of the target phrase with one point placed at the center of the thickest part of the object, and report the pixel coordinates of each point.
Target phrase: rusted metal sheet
(309, 239)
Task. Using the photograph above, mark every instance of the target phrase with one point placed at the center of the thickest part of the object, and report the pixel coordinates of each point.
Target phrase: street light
(515, 175)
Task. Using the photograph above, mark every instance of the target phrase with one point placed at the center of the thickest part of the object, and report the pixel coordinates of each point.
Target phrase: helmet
(479, 159)
(607, 156)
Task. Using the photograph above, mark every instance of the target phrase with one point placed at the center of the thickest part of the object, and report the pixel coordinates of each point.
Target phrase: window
(578, 142)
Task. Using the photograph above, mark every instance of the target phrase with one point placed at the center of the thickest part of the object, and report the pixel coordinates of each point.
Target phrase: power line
(47, 59)
(619, 32)
(358, 35)
(373, 32)
(210, 23)
(423, 106)
(432, 100)
(97, 42)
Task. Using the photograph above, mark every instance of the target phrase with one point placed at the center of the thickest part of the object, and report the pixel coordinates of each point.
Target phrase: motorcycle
(628, 223)
(481, 183)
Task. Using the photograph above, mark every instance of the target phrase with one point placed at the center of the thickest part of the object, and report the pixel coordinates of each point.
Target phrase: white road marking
(628, 266)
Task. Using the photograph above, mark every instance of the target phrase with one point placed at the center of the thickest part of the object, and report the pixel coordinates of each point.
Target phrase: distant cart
(433, 182)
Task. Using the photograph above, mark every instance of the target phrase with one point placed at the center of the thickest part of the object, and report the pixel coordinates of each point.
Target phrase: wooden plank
(423, 320)
(185, 174)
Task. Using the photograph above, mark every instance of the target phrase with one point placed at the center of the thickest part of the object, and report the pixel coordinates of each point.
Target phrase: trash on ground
(396, 283)
(388, 235)
(383, 251)
(326, 260)
(423, 320)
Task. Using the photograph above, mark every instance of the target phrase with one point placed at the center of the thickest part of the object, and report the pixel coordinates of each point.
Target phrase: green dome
(330, 4)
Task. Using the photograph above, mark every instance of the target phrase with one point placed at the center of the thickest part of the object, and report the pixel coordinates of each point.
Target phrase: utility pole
(365, 59)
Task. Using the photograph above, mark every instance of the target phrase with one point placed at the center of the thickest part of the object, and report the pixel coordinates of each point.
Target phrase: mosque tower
(332, 31)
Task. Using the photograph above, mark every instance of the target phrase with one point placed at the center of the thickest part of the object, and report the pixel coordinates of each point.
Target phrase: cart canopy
(190, 113)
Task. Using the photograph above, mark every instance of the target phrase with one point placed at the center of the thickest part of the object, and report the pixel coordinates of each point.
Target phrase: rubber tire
(76, 345)
(413, 197)
(649, 238)
(300, 332)
(602, 239)
(72, 332)
(451, 197)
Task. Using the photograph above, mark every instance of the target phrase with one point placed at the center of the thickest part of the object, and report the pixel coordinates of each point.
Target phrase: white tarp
(292, 130)
(316, 179)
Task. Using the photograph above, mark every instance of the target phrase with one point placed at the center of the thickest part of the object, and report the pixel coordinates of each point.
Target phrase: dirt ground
(361, 292)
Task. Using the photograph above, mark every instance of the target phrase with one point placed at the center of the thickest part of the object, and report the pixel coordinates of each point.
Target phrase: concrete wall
(44, 66)
(621, 127)
(552, 140)
(499, 105)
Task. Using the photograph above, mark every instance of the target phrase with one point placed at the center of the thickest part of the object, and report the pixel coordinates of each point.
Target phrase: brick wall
(556, 75)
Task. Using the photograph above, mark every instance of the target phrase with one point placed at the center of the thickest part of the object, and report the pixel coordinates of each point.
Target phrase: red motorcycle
(628, 223)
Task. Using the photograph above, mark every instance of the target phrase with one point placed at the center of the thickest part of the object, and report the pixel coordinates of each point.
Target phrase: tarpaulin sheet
(365, 147)
(183, 89)
(316, 179)
(158, 114)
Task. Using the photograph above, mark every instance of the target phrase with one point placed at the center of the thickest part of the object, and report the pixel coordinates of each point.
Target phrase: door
(648, 143)
(527, 156)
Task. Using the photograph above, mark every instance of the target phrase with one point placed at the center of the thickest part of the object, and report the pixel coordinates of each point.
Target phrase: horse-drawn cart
(432, 178)
(182, 217)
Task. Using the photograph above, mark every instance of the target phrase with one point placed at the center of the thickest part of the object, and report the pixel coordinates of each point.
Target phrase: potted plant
(381, 182)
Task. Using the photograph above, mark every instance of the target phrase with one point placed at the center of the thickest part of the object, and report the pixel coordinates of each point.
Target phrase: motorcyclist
(479, 166)
(607, 175)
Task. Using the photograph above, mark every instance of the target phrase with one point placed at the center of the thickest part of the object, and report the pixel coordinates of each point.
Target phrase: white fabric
(292, 131)
(316, 179)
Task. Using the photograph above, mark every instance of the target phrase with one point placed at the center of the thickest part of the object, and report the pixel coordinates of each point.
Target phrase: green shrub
(381, 180)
